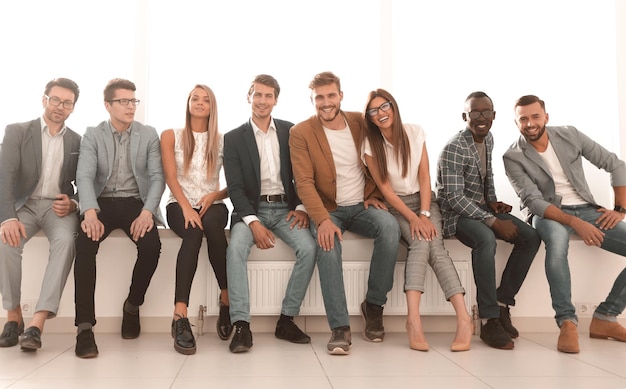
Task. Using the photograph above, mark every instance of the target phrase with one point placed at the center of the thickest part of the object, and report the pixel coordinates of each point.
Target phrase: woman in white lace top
(192, 160)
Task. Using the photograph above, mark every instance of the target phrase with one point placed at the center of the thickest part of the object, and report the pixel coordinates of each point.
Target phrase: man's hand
(12, 232)
(608, 219)
(300, 219)
(141, 225)
(326, 234)
(374, 202)
(499, 207)
(63, 206)
(206, 202)
(263, 238)
(92, 226)
(590, 234)
(505, 229)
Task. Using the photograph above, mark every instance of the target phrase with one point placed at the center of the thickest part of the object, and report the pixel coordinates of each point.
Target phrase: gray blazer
(20, 165)
(96, 161)
(532, 180)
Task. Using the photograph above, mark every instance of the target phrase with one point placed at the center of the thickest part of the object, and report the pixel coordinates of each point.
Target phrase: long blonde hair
(188, 141)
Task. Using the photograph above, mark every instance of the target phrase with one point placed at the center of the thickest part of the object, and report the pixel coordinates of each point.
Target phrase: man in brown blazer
(339, 195)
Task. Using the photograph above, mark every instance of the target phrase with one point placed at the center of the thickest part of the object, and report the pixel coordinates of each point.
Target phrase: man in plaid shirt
(472, 213)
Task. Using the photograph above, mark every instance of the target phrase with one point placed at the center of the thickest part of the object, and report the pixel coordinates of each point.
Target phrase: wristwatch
(425, 213)
(619, 208)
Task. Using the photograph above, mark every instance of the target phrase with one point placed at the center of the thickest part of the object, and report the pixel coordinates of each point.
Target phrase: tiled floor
(151, 362)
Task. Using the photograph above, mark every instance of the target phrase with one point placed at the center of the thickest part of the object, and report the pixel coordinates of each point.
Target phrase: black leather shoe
(495, 336)
(184, 342)
(286, 329)
(86, 345)
(31, 340)
(242, 339)
(130, 324)
(11, 333)
(505, 321)
(223, 326)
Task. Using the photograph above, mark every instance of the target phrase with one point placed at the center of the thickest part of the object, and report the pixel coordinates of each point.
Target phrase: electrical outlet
(28, 307)
(585, 309)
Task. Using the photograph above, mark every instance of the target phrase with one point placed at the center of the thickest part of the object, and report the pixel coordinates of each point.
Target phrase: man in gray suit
(545, 168)
(38, 165)
(120, 182)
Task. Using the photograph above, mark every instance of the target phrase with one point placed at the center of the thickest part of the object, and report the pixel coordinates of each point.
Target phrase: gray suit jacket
(532, 180)
(20, 165)
(96, 161)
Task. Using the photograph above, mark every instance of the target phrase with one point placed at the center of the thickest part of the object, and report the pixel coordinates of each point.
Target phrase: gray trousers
(422, 253)
(61, 231)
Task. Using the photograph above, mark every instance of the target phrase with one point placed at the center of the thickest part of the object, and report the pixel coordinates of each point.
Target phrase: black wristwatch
(619, 208)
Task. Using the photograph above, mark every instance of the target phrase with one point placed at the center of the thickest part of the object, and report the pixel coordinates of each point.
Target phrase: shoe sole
(508, 346)
(88, 355)
(240, 349)
(339, 351)
(29, 345)
(303, 340)
(184, 350)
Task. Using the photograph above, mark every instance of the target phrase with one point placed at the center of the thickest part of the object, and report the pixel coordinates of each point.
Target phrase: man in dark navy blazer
(260, 185)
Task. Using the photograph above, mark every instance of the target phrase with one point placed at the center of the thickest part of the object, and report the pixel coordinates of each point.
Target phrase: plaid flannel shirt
(460, 185)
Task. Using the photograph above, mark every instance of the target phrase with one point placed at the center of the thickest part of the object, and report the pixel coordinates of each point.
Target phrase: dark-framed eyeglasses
(488, 114)
(383, 107)
(125, 102)
(55, 102)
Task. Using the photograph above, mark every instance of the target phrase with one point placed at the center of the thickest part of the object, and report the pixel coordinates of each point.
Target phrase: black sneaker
(505, 321)
(340, 341)
(130, 324)
(31, 340)
(373, 315)
(11, 334)
(86, 345)
(286, 329)
(495, 336)
(223, 326)
(242, 339)
(184, 341)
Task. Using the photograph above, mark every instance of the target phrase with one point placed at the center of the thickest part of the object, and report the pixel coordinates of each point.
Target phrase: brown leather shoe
(602, 329)
(568, 339)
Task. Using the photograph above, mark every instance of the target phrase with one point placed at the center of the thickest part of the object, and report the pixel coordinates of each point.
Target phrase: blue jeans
(272, 216)
(556, 237)
(373, 223)
(482, 240)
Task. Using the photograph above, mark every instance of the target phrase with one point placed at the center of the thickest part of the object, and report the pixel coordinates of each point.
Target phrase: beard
(537, 136)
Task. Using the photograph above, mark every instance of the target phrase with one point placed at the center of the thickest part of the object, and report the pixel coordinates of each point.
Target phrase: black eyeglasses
(383, 107)
(488, 114)
(125, 102)
(55, 101)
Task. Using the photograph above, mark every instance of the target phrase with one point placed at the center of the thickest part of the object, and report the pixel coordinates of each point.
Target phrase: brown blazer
(314, 167)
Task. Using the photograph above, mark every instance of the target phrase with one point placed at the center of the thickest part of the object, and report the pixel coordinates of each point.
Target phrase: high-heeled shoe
(461, 346)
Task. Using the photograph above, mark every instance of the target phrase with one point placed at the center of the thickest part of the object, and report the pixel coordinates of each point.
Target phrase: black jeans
(114, 213)
(213, 222)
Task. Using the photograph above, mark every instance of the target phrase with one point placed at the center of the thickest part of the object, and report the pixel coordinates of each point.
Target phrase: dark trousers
(213, 222)
(114, 213)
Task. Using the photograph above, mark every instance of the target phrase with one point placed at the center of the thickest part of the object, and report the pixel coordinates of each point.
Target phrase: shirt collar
(257, 130)
(45, 129)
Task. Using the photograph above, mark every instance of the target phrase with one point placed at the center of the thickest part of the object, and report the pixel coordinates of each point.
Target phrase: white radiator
(268, 280)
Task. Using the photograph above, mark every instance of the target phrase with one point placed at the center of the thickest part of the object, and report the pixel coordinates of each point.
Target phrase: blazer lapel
(322, 140)
(135, 140)
(253, 151)
(35, 133)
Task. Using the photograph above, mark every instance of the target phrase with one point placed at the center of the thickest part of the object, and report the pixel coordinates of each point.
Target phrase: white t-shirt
(403, 185)
(562, 186)
(350, 178)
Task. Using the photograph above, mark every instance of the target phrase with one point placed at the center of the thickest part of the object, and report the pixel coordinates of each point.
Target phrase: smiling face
(199, 103)
(531, 120)
(481, 125)
(327, 100)
(262, 99)
(382, 119)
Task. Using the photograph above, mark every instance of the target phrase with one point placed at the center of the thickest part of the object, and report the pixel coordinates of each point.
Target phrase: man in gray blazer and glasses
(37, 169)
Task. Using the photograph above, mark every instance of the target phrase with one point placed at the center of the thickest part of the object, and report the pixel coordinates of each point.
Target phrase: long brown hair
(402, 150)
(212, 149)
